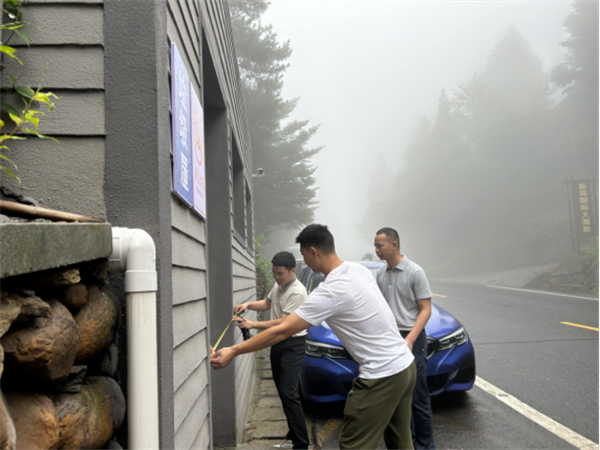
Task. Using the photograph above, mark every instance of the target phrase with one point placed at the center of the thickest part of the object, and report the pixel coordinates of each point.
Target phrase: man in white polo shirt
(350, 301)
(286, 356)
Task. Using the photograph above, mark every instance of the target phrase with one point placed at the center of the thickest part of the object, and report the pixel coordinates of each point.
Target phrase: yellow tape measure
(214, 349)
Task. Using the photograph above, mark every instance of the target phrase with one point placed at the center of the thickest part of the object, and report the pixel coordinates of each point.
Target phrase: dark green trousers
(379, 407)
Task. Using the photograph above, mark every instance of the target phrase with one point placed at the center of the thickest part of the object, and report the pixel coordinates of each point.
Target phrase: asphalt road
(522, 348)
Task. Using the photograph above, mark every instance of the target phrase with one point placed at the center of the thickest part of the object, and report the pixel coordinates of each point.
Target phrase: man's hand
(243, 323)
(239, 309)
(409, 341)
(221, 358)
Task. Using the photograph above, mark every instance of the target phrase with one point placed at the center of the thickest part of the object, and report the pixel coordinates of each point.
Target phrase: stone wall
(58, 330)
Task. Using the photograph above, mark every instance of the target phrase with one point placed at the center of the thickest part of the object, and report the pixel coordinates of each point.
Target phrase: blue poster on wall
(181, 128)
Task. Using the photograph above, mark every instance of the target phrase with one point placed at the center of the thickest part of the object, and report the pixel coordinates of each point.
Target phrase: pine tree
(285, 196)
(577, 114)
(477, 192)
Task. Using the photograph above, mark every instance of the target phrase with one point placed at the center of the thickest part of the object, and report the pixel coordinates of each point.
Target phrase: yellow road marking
(437, 295)
(580, 326)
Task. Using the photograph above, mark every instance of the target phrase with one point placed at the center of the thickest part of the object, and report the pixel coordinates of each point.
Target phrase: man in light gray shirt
(406, 289)
(286, 356)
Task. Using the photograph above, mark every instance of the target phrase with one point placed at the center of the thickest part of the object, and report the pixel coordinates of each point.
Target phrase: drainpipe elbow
(134, 254)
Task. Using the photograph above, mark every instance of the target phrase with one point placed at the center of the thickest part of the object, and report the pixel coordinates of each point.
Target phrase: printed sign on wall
(198, 154)
(181, 128)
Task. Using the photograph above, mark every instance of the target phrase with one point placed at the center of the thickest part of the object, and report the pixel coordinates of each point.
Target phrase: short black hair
(284, 259)
(317, 236)
(390, 233)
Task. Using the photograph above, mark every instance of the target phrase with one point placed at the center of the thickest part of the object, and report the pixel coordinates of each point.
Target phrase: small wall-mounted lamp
(259, 173)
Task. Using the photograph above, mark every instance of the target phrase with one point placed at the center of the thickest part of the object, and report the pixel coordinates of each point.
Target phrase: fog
(367, 72)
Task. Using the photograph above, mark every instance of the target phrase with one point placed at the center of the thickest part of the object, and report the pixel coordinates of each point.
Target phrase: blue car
(328, 369)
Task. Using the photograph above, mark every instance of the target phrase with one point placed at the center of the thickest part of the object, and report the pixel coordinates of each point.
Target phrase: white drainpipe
(134, 254)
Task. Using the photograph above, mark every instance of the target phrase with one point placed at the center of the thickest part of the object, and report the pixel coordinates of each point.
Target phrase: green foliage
(482, 188)
(25, 120)
(590, 258)
(589, 268)
(284, 196)
(264, 280)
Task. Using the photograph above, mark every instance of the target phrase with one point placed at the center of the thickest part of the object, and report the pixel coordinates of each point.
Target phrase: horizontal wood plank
(188, 320)
(189, 392)
(188, 285)
(59, 22)
(184, 219)
(188, 431)
(187, 252)
(188, 356)
(56, 68)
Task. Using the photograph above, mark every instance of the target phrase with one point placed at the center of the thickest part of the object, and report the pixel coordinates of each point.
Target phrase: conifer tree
(285, 196)
(479, 190)
(577, 114)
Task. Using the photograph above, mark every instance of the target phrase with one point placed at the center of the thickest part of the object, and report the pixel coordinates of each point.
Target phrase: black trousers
(422, 416)
(286, 361)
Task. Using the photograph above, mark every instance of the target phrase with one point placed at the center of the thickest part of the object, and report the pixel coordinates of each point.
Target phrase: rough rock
(73, 382)
(74, 297)
(96, 270)
(47, 348)
(97, 321)
(55, 278)
(8, 436)
(35, 420)
(21, 308)
(113, 445)
(107, 364)
(91, 417)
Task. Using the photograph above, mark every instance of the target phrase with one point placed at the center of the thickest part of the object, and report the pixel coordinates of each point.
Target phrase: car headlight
(319, 349)
(432, 346)
(458, 337)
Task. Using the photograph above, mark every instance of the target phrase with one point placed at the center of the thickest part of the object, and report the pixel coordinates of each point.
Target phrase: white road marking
(549, 424)
(543, 292)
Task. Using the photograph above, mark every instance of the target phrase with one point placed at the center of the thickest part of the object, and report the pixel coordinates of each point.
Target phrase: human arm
(291, 325)
(259, 325)
(260, 305)
(292, 302)
(424, 306)
(422, 292)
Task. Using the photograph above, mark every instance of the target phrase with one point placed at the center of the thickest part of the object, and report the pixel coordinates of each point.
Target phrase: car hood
(440, 324)
(322, 333)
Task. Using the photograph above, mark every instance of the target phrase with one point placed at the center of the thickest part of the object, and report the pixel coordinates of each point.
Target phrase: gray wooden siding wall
(190, 324)
(191, 364)
(217, 23)
(244, 290)
(218, 30)
(67, 53)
